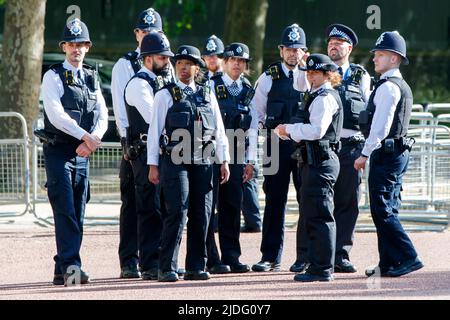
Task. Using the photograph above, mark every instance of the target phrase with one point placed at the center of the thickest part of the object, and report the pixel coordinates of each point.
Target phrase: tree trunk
(23, 45)
(246, 22)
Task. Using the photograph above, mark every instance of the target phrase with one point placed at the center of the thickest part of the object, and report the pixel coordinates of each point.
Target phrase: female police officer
(186, 111)
(317, 130)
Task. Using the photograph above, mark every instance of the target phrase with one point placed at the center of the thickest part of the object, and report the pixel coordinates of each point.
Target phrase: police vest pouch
(245, 122)
(179, 120)
(365, 117)
(91, 117)
(389, 146)
(275, 114)
(207, 118)
(75, 115)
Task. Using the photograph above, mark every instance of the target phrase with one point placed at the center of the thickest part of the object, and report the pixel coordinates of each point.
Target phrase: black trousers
(276, 189)
(148, 211)
(128, 243)
(317, 208)
(211, 246)
(347, 193)
(188, 195)
(229, 208)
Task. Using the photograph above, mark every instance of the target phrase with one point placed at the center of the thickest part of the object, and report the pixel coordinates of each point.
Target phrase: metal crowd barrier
(15, 171)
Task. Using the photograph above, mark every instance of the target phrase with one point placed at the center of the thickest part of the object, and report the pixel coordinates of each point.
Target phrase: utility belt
(135, 147)
(353, 140)
(389, 146)
(315, 152)
(52, 139)
(167, 149)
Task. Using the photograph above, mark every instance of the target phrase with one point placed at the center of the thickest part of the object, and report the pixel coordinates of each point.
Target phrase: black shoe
(373, 271)
(130, 271)
(239, 268)
(169, 276)
(151, 274)
(58, 280)
(405, 268)
(181, 272)
(265, 266)
(246, 229)
(308, 277)
(344, 266)
(71, 280)
(299, 267)
(196, 275)
(219, 269)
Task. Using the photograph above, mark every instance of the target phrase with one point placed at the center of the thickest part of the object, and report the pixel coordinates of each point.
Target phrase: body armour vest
(352, 97)
(303, 115)
(79, 102)
(282, 100)
(235, 110)
(137, 124)
(133, 57)
(193, 114)
(402, 114)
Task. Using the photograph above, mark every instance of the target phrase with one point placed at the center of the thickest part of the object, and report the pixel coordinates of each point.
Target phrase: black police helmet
(190, 53)
(155, 43)
(394, 42)
(319, 62)
(343, 32)
(213, 46)
(293, 37)
(75, 31)
(149, 20)
(237, 50)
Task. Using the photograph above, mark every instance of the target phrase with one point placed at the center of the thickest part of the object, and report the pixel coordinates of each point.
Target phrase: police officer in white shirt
(385, 125)
(354, 92)
(187, 129)
(278, 91)
(75, 120)
(317, 129)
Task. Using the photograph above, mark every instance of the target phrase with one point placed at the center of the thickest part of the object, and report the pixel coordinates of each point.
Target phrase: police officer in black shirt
(385, 126)
(354, 92)
(75, 120)
(317, 129)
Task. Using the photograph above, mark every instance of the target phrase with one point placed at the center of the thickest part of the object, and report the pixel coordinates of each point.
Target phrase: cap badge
(211, 46)
(75, 27)
(336, 32)
(164, 41)
(184, 51)
(294, 35)
(150, 17)
(311, 63)
(239, 50)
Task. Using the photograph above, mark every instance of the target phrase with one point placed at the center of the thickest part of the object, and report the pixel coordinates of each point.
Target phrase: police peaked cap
(149, 20)
(213, 46)
(190, 53)
(237, 50)
(394, 42)
(319, 62)
(75, 31)
(293, 37)
(343, 32)
(155, 43)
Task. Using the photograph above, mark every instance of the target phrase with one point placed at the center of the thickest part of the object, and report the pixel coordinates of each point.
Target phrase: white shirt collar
(392, 73)
(138, 50)
(70, 67)
(326, 85)
(182, 85)
(286, 70)
(345, 67)
(228, 81)
(149, 72)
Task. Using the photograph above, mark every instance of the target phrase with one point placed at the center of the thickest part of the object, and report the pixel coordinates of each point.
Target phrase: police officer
(212, 54)
(385, 125)
(139, 96)
(75, 120)
(276, 101)
(187, 111)
(354, 92)
(125, 68)
(234, 94)
(319, 123)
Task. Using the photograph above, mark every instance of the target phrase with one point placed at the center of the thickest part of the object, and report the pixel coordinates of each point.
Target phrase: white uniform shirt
(321, 110)
(163, 101)
(251, 154)
(365, 91)
(386, 99)
(264, 85)
(122, 73)
(53, 90)
(139, 94)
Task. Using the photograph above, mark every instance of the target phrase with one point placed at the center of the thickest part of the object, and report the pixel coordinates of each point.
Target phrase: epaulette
(132, 55)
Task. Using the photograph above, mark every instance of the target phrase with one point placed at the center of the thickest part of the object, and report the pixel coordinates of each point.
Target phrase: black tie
(291, 74)
(340, 71)
(79, 80)
(188, 90)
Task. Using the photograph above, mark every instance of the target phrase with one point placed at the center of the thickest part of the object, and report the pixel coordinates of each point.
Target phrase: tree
(246, 22)
(23, 46)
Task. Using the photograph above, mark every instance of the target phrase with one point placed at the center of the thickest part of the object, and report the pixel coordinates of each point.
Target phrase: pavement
(26, 270)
